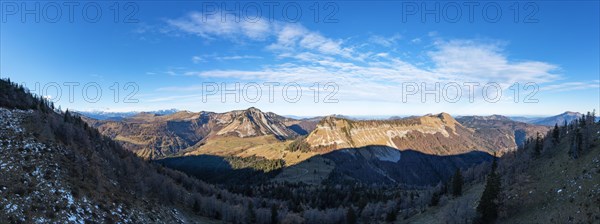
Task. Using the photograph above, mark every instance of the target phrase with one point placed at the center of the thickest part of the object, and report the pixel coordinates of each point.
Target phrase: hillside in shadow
(377, 164)
(387, 165)
(218, 169)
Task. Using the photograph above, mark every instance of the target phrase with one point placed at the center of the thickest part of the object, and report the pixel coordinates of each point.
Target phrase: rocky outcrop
(437, 134)
(158, 136)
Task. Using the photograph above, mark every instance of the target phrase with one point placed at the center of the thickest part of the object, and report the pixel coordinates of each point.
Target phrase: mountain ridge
(424, 133)
(559, 119)
(156, 136)
(159, 136)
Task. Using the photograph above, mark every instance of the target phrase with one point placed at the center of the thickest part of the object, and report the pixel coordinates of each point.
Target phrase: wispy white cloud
(238, 57)
(449, 61)
(383, 55)
(211, 57)
(365, 75)
(569, 86)
(175, 71)
(294, 38)
(474, 61)
(288, 37)
(212, 27)
(197, 59)
(385, 41)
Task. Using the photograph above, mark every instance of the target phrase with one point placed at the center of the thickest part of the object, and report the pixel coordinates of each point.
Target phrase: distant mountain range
(170, 132)
(156, 136)
(502, 131)
(558, 119)
(334, 147)
(312, 143)
(117, 116)
(548, 121)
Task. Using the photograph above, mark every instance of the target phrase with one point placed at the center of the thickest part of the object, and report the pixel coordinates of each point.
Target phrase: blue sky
(369, 52)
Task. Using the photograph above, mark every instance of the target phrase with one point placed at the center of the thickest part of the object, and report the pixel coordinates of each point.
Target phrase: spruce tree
(251, 213)
(457, 183)
(574, 148)
(537, 149)
(435, 199)
(391, 216)
(556, 134)
(67, 116)
(196, 206)
(488, 204)
(579, 140)
(274, 214)
(351, 216)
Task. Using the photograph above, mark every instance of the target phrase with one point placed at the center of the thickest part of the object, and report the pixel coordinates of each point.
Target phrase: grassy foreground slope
(556, 188)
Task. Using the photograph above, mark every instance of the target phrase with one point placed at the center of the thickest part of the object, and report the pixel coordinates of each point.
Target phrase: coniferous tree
(351, 216)
(588, 131)
(489, 202)
(251, 213)
(579, 140)
(435, 199)
(391, 216)
(196, 206)
(274, 214)
(574, 146)
(457, 183)
(67, 116)
(539, 144)
(556, 134)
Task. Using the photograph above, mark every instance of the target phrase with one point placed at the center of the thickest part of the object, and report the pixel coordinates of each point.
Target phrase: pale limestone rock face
(345, 133)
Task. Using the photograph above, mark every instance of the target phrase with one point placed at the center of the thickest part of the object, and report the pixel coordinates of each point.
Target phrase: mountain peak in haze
(560, 119)
(493, 117)
(571, 113)
(105, 115)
